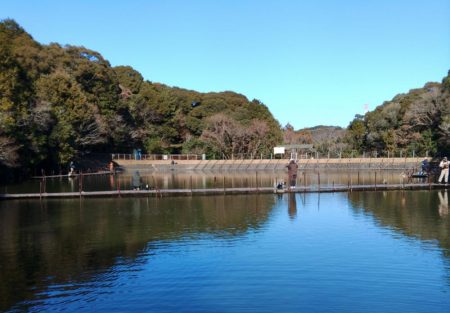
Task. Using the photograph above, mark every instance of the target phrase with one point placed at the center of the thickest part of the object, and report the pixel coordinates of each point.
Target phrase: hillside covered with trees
(418, 121)
(415, 123)
(59, 103)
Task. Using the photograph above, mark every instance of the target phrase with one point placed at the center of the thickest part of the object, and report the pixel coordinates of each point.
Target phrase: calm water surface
(209, 179)
(359, 252)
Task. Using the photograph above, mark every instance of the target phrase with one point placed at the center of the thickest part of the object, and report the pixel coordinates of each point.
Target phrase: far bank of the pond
(270, 164)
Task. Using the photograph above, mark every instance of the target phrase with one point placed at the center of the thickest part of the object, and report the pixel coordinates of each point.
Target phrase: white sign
(278, 150)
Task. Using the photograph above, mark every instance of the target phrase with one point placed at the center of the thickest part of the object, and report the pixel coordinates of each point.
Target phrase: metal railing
(130, 156)
(286, 156)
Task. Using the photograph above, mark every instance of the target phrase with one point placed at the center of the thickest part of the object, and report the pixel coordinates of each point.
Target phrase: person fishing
(292, 174)
(136, 181)
(444, 165)
(424, 167)
(71, 168)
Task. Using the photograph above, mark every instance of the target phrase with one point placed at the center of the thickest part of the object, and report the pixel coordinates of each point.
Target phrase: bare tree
(8, 152)
(221, 134)
(258, 131)
(91, 131)
(425, 113)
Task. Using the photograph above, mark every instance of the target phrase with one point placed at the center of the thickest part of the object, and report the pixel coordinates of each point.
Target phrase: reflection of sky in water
(311, 252)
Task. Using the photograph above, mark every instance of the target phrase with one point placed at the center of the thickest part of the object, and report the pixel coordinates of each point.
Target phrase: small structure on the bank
(296, 151)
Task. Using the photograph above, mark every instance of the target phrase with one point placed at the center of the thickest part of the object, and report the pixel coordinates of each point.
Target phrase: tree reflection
(57, 241)
(419, 214)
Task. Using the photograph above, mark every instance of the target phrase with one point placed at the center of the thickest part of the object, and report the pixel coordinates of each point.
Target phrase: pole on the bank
(118, 186)
(375, 181)
(318, 179)
(429, 178)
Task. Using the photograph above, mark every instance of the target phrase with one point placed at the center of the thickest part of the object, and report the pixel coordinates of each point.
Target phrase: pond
(208, 179)
(335, 252)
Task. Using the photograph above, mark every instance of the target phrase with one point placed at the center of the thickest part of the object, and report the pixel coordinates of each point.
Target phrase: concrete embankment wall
(277, 164)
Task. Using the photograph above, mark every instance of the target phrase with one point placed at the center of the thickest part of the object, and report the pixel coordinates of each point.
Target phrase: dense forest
(418, 121)
(62, 103)
(59, 103)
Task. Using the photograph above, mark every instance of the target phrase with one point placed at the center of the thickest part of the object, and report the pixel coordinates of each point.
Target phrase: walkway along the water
(217, 191)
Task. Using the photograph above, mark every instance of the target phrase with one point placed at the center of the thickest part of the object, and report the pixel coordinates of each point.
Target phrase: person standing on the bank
(136, 181)
(444, 170)
(72, 168)
(292, 173)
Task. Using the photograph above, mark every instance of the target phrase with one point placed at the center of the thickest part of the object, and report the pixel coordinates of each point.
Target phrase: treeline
(416, 122)
(59, 103)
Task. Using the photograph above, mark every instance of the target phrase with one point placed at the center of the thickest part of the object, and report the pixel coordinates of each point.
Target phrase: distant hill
(326, 139)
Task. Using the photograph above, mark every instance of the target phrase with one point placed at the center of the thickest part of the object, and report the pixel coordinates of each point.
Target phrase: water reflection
(419, 214)
(55, 242)
(208, 179)
(51, 248)
(443, 203)
(292, 206)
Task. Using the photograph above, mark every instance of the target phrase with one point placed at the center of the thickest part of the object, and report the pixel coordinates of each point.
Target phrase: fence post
(318, 178)
(375, 181)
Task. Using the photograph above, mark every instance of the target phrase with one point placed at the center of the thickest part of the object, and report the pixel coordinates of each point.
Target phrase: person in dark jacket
(136, 181)
(425, 165)
(292, 173)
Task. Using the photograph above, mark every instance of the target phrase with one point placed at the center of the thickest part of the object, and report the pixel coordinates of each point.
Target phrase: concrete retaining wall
(278, 164)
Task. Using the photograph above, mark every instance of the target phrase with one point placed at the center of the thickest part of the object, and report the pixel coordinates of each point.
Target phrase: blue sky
(311, 62)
